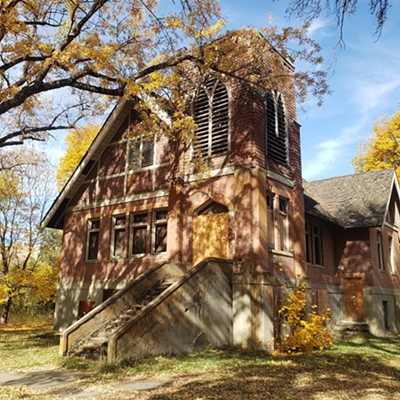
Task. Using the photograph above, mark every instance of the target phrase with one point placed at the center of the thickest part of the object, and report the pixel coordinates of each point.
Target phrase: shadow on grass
(389, 345)
(18, 340)
(323, 375)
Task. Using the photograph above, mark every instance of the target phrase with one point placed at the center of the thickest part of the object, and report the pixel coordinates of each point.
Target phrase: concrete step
(96, 345)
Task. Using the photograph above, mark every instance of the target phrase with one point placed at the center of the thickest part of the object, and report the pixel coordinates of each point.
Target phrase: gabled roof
(54, 217)
(351, 201)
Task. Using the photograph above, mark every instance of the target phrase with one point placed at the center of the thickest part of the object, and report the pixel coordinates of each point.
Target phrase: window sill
(149, 168)
(316, 265)
(147, 256)
(90, 262)
(281, 253)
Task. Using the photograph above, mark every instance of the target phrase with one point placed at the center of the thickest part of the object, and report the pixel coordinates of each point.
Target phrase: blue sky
(365, 82)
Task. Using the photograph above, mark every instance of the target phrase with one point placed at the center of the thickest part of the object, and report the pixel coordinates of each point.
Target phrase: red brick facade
(264, 199)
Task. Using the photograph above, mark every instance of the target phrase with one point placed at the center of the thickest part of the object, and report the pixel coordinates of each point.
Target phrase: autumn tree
(26, 268)
(382, 150)
(62, 61)
(77, 143)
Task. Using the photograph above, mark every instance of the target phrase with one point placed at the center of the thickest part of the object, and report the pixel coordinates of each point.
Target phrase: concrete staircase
(94, 347)
(169, 309)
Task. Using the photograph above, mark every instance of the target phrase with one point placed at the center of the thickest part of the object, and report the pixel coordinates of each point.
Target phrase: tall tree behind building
(382, 150)
(28, 272)
(77, 142)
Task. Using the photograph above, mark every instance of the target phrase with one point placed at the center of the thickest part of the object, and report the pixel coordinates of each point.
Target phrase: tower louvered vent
(276, 128)
(212, 118)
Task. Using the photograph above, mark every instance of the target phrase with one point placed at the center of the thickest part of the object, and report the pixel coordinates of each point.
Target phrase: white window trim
(132, 226)
(115, 228)
(154, 224)
(276, 213)
(379, 248)
(391, 255)
(89, 231)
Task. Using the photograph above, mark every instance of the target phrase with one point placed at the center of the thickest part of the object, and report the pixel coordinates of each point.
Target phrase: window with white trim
(93, 236)
(141, 151)
(276, 135)
(381, 265)
(139, 233)
(118, 236)
(282, 224)
(211, 115)
(277, 222)
(160, 226)
(390, 255)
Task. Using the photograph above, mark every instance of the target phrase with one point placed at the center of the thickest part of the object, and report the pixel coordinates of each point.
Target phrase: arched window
(276, 127)
(211, 114)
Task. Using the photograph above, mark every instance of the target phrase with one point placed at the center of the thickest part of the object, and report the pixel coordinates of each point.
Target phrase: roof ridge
(383, 170)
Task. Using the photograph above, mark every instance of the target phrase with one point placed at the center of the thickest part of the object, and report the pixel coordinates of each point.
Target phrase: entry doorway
(85, 306)
(210, 232)
(354, 298)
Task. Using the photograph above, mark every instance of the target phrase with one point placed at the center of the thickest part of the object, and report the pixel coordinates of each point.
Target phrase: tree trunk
(6, 311)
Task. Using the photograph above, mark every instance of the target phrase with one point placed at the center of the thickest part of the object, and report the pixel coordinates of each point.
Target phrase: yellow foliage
(30, 286)
(77, 143)
(212, 31)
(381, 151)
(307, 330)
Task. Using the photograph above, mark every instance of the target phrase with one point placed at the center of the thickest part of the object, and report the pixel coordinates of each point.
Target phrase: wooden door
(85, 306)
(210, 233)
(354, 298)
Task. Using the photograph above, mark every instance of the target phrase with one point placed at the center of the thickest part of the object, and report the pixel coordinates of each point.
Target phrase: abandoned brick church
(158, 257)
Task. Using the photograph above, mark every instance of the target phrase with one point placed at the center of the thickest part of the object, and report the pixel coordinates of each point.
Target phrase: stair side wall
(115, 305)
(197, 315)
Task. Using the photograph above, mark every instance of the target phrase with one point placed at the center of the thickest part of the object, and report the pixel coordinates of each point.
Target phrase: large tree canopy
(60, 60)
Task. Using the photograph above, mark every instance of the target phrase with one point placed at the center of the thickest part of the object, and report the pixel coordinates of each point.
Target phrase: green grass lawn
(363, 368)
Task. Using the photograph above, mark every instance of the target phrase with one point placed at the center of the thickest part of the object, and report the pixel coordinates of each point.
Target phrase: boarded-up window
(276, 128)
(320, 300)
(141, 151)
(93, 232)
(211, 114)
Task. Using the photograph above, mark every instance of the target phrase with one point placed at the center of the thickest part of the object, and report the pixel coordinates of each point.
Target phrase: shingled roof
(351, 201)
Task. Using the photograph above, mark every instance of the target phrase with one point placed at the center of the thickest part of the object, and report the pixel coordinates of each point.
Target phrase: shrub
(307, 331)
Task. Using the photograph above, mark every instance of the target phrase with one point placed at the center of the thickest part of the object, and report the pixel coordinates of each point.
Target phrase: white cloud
(374, 95)
(329, 152)
(317, 25)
